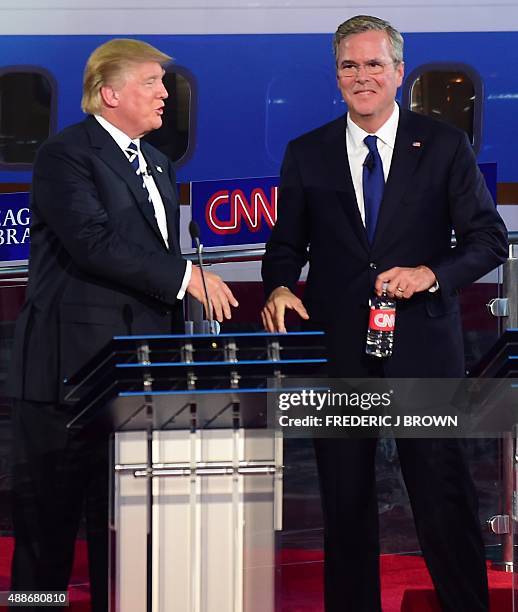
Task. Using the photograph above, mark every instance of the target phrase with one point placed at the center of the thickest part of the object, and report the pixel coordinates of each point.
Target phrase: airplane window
(176, 136)
(449, 93)
(27, 114)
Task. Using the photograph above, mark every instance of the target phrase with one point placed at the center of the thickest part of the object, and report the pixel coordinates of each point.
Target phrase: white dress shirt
(357, 151)
(123, 141)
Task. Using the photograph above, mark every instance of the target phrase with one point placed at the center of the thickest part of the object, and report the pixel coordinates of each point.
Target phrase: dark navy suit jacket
(98, 265)
(434, 186)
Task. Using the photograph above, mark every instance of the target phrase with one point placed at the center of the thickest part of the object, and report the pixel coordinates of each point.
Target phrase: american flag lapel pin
(159, 169)
(416, 144)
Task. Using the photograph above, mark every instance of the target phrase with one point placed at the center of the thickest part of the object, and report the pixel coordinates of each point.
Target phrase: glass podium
(196, 492)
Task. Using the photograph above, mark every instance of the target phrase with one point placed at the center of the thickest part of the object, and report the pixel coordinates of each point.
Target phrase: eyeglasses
(349, 69)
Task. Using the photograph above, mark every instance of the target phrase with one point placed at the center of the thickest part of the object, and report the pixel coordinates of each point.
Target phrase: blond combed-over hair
(108, 64)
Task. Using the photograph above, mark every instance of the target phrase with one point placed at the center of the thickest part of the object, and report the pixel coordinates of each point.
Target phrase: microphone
(369, 161)
(194, 231)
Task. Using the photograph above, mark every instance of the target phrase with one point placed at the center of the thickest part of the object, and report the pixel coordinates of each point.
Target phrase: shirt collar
(119, 136)
(386, 133)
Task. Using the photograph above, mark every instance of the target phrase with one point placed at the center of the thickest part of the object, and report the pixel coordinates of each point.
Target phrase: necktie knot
(370, 142)
(132, 154)
(373, 154)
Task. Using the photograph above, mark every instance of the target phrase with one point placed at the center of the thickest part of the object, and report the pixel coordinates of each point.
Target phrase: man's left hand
(402, 283)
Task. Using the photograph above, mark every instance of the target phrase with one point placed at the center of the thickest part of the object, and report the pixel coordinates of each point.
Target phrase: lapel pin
(159, 168)
(416, 144)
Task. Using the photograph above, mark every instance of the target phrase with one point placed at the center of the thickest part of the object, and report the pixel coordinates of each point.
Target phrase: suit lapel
(110, 152)
(337, 161)
(405, 158)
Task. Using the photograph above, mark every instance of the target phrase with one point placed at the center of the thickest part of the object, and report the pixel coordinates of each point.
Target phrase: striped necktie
(132, 153)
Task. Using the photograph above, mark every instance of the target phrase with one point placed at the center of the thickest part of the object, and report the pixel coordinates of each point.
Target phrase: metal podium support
(501, 361)
(197, 478)
(219, 517)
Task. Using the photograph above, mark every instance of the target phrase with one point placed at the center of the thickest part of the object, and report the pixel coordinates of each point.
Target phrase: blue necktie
(373, 185)
(132, 153)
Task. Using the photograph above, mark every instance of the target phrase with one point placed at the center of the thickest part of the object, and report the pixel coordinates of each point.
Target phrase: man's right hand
(220, 296)
(273, 312)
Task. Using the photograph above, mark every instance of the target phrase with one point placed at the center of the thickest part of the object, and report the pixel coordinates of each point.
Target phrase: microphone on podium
(194, 231)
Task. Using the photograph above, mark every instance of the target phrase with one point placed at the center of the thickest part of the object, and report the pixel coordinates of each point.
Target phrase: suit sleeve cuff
(186, 280)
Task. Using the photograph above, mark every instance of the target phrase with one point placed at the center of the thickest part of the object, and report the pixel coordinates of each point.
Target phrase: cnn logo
(382, 320)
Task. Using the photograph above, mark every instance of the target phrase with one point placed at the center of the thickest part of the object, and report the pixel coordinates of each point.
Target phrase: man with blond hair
(105, 260)
(370, 200)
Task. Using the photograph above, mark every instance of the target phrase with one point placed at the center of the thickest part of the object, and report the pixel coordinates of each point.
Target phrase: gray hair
(366, 23)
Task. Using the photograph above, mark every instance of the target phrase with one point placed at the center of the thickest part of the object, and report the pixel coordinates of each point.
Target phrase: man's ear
(110, 96)
(400, 70)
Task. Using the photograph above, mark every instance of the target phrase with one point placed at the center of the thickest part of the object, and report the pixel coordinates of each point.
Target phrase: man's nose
(163, 93)
(361, 73)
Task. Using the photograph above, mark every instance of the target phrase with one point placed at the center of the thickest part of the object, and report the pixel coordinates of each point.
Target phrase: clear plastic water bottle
(382, 321)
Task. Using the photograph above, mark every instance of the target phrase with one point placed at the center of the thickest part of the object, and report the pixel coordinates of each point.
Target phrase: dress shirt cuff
(186, 280)
(434, 287)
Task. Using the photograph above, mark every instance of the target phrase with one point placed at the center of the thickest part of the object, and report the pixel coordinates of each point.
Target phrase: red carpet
(79, 590)
(406, 585)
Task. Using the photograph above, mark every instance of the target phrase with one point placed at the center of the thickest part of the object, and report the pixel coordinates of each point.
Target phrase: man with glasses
(370, 201)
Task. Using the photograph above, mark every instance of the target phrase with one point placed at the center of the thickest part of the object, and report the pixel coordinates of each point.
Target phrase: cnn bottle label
(382, 319)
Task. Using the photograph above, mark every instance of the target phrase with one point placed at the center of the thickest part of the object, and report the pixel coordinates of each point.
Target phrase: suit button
(372, 265)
